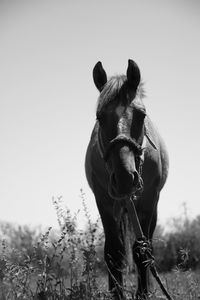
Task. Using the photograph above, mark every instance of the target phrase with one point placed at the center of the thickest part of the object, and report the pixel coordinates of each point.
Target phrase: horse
(126, 159)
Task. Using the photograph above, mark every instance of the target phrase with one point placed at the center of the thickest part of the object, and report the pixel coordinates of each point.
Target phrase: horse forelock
(112, 89)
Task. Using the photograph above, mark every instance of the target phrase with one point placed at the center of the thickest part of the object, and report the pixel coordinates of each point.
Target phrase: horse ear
(99, 76)
(133, 75)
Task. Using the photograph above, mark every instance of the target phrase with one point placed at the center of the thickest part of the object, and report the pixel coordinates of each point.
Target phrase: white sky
(48, 99)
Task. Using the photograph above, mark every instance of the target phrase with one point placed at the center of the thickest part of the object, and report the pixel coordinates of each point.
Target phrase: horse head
(120, 114)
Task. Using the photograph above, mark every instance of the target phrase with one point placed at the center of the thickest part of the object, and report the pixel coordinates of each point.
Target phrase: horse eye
(137, 123)
(100, 117)
(140, 115)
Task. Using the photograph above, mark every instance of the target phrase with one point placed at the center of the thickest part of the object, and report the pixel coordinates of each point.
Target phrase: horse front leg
(114, 256)
(142, 252)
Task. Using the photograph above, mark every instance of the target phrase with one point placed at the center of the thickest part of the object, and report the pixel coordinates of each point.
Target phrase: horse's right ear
(99, 76)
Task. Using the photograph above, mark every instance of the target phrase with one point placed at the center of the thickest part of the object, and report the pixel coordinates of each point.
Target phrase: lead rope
(143, 244)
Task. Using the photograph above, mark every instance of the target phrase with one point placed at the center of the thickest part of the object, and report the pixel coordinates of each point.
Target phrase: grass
(69, 265)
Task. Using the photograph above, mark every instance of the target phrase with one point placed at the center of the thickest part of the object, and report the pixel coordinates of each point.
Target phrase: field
(69, 264)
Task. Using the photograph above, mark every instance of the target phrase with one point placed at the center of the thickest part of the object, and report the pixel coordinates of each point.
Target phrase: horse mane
(112, 89)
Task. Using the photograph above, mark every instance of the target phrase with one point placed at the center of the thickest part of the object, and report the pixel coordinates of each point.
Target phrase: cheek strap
(149, 137)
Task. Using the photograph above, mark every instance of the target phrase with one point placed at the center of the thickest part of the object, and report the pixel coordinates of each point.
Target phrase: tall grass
(52, 265)
(68, 263)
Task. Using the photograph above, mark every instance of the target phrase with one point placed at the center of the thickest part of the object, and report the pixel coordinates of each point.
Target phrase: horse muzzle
(123, 188)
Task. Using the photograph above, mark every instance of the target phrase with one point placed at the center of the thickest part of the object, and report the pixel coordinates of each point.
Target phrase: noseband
(124, 140)
(137, 149)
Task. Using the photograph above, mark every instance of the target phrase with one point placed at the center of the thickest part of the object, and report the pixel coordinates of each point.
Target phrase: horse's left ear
(133, 75)
(99, 76)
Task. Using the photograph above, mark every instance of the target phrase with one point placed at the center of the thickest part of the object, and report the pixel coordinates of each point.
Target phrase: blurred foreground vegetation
(68, 263)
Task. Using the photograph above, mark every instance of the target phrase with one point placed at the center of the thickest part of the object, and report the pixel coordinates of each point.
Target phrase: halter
(137, 149)
(131, 142)
(123, 139)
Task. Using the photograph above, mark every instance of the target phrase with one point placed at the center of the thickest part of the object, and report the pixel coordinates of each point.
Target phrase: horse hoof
(142, 297)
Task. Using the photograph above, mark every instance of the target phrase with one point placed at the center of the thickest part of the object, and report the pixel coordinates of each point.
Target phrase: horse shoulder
(94, 163)
(156, 155)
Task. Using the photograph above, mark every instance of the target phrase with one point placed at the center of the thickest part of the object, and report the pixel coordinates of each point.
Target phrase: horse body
(125, 157)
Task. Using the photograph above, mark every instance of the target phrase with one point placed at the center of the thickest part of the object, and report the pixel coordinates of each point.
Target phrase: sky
(48, 99)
